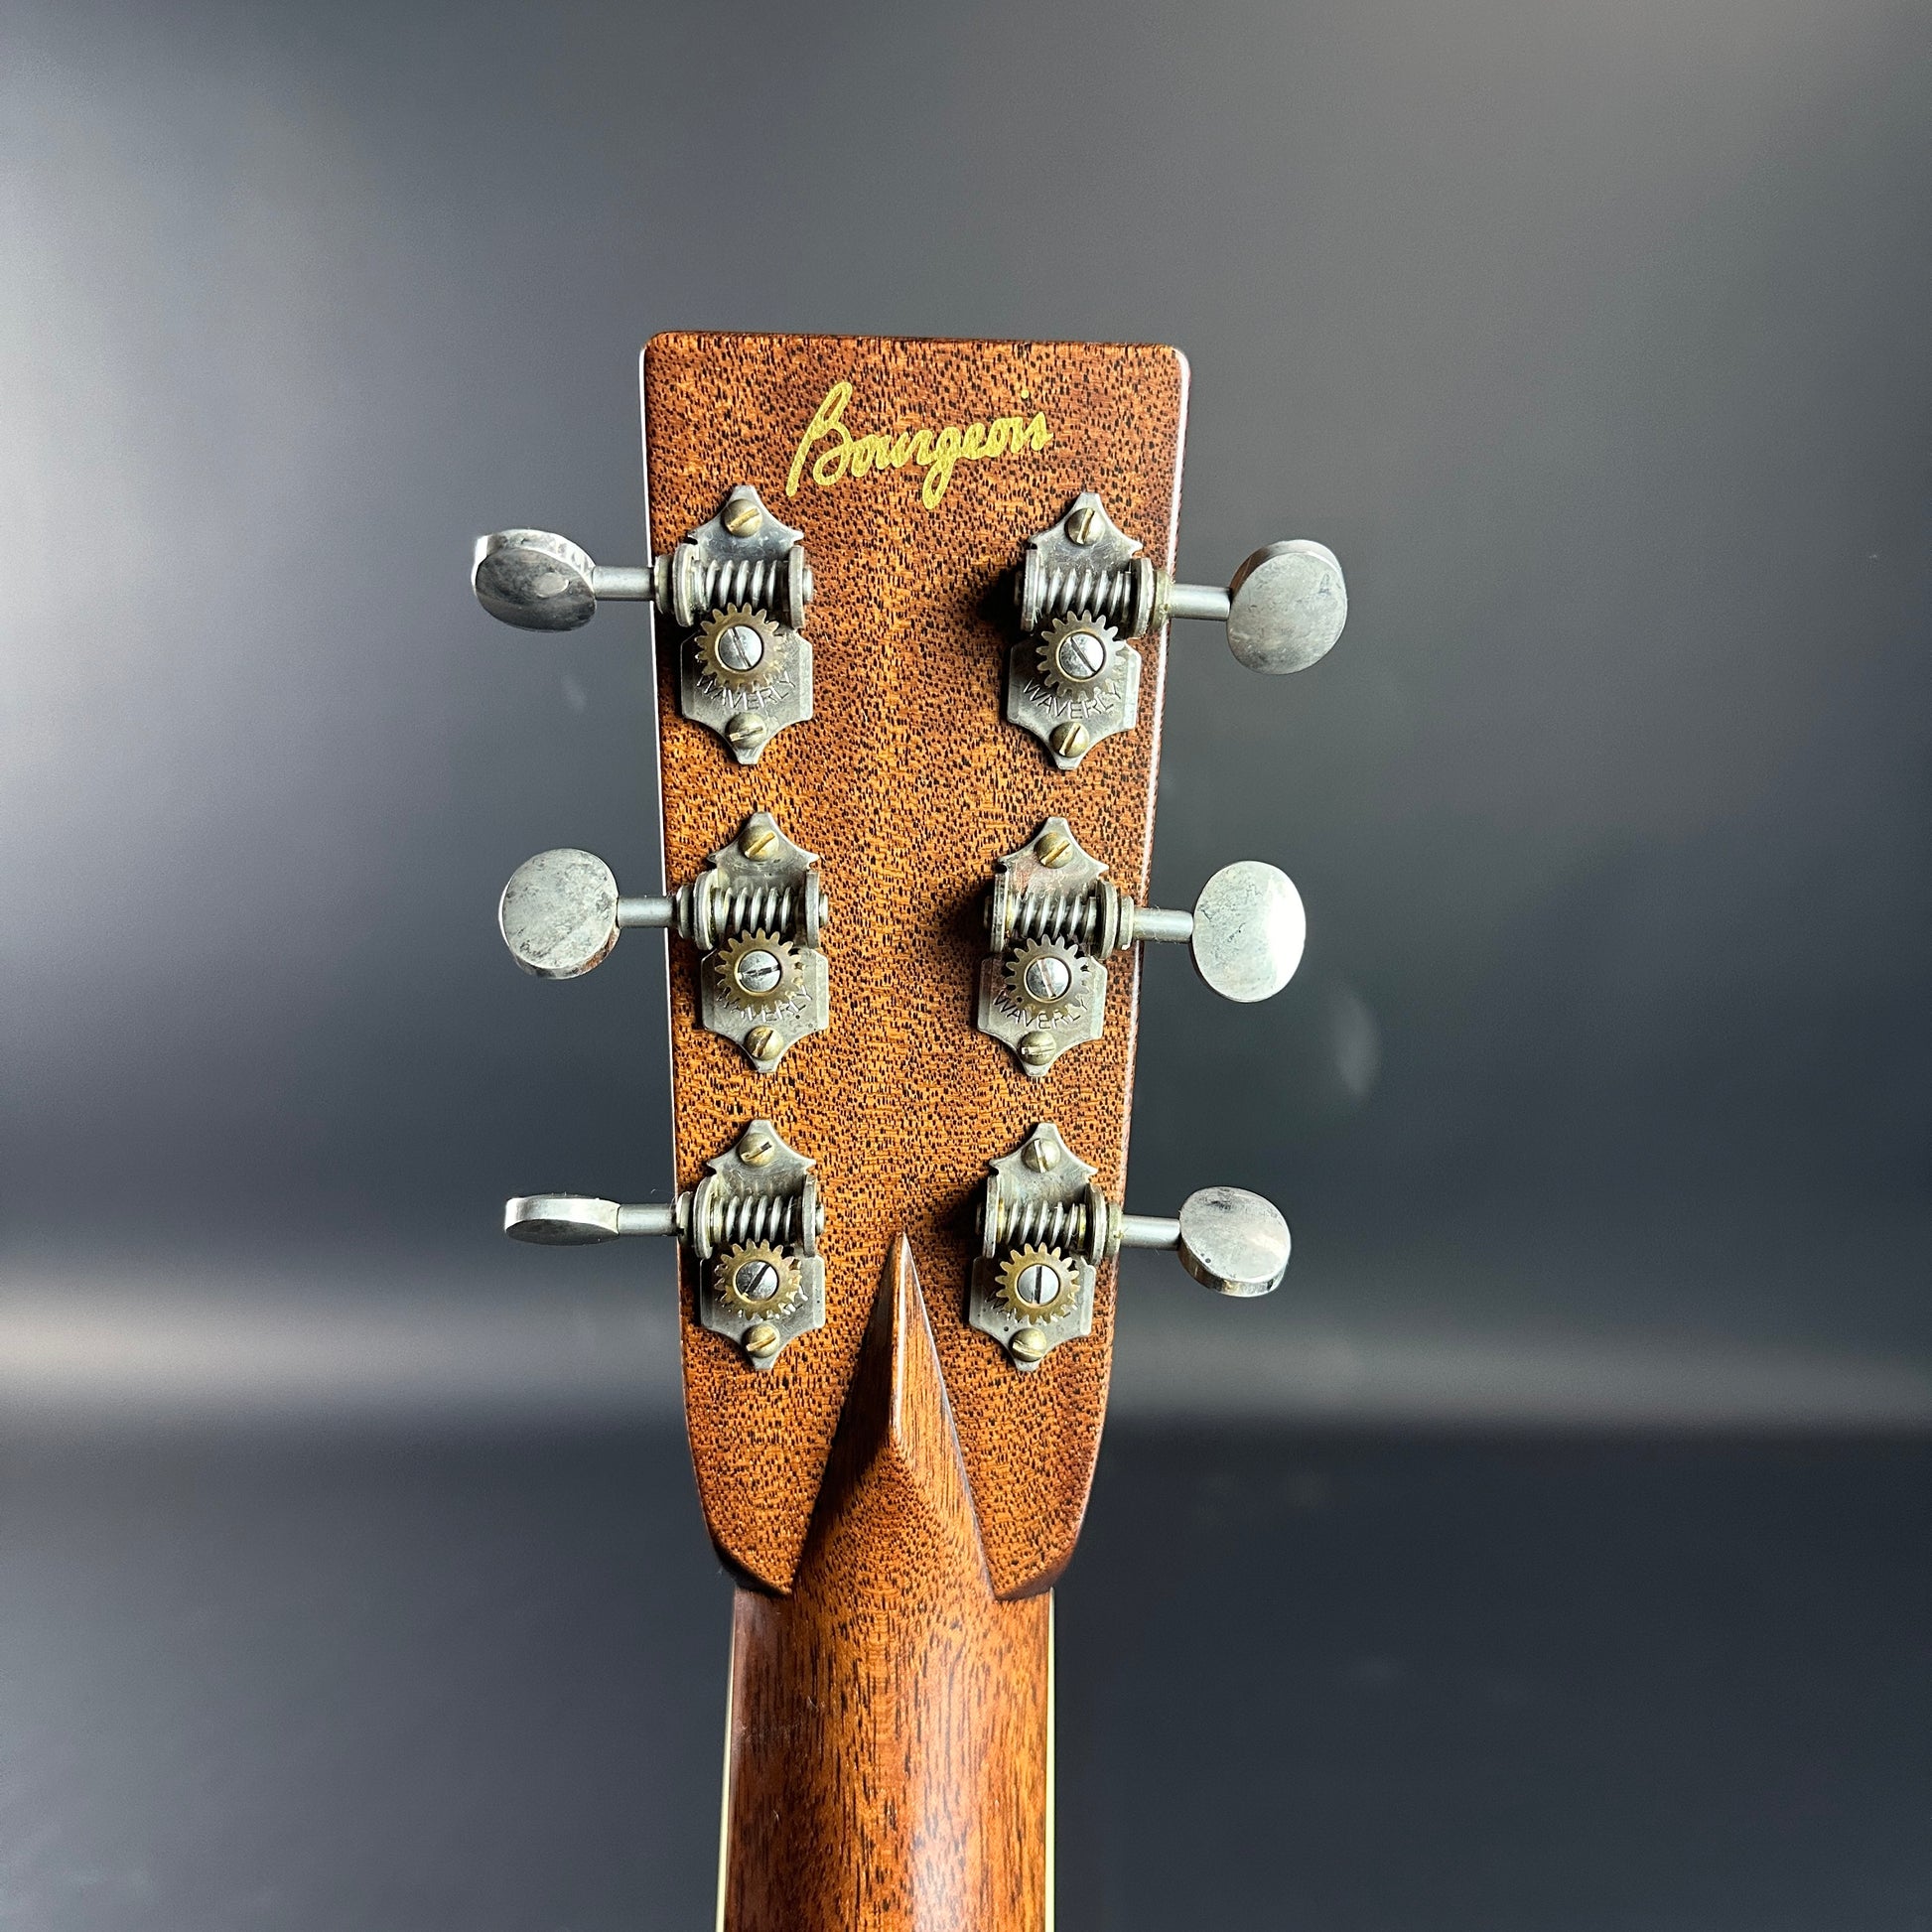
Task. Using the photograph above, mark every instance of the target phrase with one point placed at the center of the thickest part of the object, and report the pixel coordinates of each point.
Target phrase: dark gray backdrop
(1590, 332)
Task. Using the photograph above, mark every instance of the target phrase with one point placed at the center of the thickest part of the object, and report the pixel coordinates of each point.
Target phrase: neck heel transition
(889, 1758)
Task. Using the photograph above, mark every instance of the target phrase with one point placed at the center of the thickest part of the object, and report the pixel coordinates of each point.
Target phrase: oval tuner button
(1249, 932)
(560, 1220)
(575, 1221)
(1287, 606)
(559, 913)
(1233, 1241)
(534, 579)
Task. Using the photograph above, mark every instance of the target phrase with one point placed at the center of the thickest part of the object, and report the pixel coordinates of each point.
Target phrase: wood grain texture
(909, 782)
(890, 1719)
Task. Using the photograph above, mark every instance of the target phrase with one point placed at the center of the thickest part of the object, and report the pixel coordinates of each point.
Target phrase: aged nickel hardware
(754, 1224)
(738, 587)
(1045, 1227)
(1052, 917)
(1074, 679)
(1084, 590)
(757, 912)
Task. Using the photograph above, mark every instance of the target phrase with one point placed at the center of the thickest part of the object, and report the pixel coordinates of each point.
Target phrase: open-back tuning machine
(1085, 590)
(754, 1224)
(738, 585)
(1053, 917)
(757, 912)
(1045, 1227)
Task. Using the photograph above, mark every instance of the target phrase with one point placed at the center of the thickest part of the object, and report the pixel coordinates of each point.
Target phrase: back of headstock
(911, 603)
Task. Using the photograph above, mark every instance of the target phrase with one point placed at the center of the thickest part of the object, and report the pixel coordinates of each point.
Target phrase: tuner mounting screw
(743, 515)
(1030, 1346)
(1083, 525)
(754, 1151)
(762, 1042)
(1054, 847)
(1036, 1049)
(1069, 739)
(745, 730)
(762, 1340)
(758, 838)
(1042, 1155)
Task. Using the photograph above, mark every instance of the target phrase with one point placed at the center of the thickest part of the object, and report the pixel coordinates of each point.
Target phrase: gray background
(1589, 333)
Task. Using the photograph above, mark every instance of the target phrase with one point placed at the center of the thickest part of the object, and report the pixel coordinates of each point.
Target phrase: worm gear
(741, 649)
(757, 1279)
(757, 972)
(1038, 1285)
(1075, 654)
(1045, 978)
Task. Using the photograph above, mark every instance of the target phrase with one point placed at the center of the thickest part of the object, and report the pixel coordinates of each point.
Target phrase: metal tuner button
(1247, 930)
(1283, 607)
(1229, 1239)
(539, 581)
(561, 913)
(577, 1220)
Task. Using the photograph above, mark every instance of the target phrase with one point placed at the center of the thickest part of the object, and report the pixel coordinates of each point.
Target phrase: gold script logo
(933, 451)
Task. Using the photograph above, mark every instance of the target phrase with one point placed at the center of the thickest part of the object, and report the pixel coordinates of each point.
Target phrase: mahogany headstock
(879, 499)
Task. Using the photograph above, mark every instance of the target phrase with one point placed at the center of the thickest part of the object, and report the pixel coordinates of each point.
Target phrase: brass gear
(747, 983)
(725, 1279)
(1059, 1303)
(1029, 965)
(709, 638)
(1055, 662)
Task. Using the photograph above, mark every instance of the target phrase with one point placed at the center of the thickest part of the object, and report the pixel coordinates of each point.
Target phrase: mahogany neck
(890, 1745)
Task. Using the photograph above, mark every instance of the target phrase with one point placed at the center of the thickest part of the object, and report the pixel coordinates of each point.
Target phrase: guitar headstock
(910, 602)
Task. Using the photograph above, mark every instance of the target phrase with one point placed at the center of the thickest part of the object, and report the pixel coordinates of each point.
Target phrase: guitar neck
(912, 604)
(889, 1760)
(891, 1730)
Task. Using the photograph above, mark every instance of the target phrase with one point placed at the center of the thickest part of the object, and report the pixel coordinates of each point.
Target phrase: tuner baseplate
(1034, 915)
(1073, 680)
